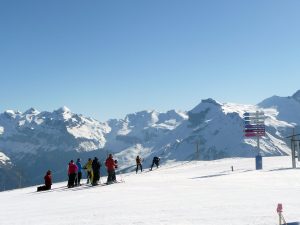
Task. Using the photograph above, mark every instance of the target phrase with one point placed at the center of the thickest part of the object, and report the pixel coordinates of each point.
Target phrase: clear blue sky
(108, 58)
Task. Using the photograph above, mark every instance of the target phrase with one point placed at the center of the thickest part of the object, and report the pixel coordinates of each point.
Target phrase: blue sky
(108, 58)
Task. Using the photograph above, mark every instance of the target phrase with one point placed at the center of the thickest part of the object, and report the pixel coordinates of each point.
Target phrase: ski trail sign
(254, 127)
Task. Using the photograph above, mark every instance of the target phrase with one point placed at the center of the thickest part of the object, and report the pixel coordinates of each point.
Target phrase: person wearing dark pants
(155, 161)
(110, 166)
(114, 178)
(138, 164)
(79, 172)
(96, 171)
(48, 182)
(72, 172)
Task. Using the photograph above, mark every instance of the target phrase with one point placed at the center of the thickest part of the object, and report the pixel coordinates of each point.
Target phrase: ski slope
(185, 193)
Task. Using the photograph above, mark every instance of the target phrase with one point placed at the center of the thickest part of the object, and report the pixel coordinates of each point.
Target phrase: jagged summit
(211, 101)
(206, 104)
(63, 110)
(31, 111)
(296, 96)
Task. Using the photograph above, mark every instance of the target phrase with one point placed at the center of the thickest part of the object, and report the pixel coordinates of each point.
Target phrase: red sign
(254, 134)
(279, 208)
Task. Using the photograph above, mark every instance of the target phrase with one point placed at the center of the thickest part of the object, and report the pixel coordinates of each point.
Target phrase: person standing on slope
(96, 171)
(72, 172)
(89, 169)
(138, 164)
(155, 161)
(114, 178)
(79, 172)
(110, 166)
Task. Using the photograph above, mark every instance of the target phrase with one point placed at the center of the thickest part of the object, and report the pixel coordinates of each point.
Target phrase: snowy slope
(186, 193)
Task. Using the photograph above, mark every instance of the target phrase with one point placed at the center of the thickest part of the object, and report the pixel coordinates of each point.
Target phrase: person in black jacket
(138, 161)
(155, 161)
(96, 171)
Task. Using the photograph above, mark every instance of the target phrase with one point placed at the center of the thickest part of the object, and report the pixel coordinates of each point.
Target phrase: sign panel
(255, 126)
(254, 134)
(253, 122)
(254, 130)
(254, 114)
(254, 118)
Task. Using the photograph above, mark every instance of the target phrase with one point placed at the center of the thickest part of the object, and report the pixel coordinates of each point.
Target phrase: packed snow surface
(185, 193)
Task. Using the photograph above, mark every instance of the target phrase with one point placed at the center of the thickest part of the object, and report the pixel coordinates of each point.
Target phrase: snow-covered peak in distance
(12, 113)
(36, 132)
(288, 107)
(147, 118)
(63, 110)
(62, 113)
(206, 103)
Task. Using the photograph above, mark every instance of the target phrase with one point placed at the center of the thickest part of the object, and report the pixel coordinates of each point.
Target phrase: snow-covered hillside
(181, 193)
(36, 141)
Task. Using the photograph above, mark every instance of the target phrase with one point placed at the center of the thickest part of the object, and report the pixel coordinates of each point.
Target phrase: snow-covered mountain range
(33, 141)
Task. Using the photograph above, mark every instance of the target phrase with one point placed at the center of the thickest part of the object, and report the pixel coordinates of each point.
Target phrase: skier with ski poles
(89, 170)
(138, 164)
(110, 166)
(155, 161)
(96, 171)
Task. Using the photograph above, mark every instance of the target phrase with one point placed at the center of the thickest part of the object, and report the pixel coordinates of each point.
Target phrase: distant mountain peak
(205, 104)
(211, 101)
(296, 96)
(31, 111)
(63, 110)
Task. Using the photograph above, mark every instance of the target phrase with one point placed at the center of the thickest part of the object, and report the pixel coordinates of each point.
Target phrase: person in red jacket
(110, 166)
(72, 172)
(48, 182)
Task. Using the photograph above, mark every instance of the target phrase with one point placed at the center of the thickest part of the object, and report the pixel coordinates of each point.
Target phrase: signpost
(255, 128)
(295, 148)
(281, 218)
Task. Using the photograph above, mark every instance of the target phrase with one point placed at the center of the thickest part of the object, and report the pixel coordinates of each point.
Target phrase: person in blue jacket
(79, 172)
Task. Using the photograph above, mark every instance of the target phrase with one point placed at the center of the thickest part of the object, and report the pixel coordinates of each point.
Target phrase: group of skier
(92, 168)
(139, 161)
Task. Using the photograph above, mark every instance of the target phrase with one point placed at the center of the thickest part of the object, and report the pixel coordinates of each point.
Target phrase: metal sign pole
(294, 146)
(258, 147)
(293, 150)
